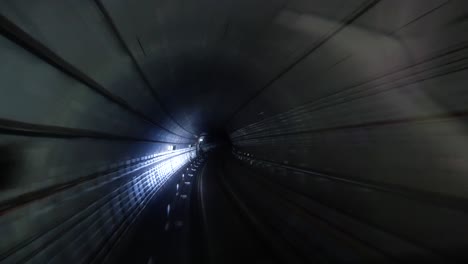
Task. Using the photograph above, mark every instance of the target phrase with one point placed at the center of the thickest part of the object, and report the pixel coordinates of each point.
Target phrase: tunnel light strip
(179, 163)
(122, 205)
(9, 205)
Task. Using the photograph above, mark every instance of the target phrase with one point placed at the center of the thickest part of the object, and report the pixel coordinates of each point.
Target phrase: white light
(171, 147)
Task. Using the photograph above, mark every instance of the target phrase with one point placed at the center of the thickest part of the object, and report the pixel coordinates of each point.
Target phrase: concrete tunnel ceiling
(219, 54)
(227, 56)
(259, 58)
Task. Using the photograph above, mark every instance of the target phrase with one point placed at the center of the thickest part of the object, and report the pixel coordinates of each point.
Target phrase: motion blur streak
(233, 131)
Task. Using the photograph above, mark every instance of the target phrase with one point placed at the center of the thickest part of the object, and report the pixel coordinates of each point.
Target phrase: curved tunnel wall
(362, 105)
(85, 140)
(367, 133)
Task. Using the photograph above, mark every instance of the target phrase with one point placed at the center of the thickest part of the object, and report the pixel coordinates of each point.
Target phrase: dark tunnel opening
(233, 131)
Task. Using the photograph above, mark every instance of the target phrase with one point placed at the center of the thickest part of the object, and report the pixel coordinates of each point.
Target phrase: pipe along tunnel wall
(346, 120)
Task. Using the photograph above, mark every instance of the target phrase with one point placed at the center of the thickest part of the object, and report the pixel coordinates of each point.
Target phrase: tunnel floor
(205, 223)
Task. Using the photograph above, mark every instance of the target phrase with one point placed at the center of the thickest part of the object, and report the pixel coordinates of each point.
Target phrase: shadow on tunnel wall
(10, 163)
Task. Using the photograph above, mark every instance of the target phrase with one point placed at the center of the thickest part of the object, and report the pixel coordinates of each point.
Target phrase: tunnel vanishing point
(233, 131)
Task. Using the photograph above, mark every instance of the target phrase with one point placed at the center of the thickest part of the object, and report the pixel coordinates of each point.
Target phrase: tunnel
(233, 131)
